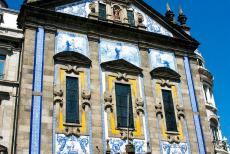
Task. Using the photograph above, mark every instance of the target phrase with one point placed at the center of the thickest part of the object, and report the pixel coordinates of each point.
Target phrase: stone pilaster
(95, 97)
(152, 119)
(23, 133)
(47, 106)
(201, 105)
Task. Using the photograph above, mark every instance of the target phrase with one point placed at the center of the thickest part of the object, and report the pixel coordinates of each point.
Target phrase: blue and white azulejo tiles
(114, 50)
(72, 144)
(69, 41)
(181, 148)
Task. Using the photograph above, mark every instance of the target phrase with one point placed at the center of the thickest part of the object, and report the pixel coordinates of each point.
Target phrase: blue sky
(210, 23)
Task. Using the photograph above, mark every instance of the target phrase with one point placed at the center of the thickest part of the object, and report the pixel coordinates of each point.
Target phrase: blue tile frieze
(69, 41)
(118, 146)
(72, 144)
(113, 50)
(180, 148)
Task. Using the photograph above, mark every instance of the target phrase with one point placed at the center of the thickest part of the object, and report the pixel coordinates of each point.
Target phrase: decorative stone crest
(180, 112)
(86, 96)
(173, 139)
(69, 130)
(158, 108)
(72, 69)
(92, 8)
(58, 97)
(116, 12)
(122, 76)
(108, 101)
(165, 83)
(124, 135)
(140, 18)
(140, 106)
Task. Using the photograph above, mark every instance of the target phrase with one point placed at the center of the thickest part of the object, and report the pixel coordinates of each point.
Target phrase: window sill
(172, 133)
(125, 128)
(72, 125)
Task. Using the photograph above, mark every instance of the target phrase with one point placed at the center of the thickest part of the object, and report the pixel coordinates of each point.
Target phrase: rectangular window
(169, 111)
(123, 95)
(72, 100)
(102, 11)
(131, 18)
(2, 65)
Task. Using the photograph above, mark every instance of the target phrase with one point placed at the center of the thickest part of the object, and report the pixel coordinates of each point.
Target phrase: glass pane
(131, 18)
(123, 91)
(102, 11)
(2, 57)
(2, 69)
(72, 100)
(169, 111)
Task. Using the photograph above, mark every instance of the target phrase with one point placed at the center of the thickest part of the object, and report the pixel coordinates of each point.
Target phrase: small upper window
(130, 15)
(214, 130)
(72, 100)
(102, 11)
(169, 111)
(124, 106)
(2, 65)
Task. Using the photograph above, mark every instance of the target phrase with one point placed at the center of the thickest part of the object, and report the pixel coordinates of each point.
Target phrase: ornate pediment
(165, 73)
(71, 57)
(122, 66)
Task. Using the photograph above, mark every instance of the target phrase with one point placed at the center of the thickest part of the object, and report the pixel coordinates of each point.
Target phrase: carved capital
(108, 101)
(86, 96)
(72, 69)
(173, 139)
(158, 108)
(139, 105)
(122, 76)
(58, 97)
(180, 111)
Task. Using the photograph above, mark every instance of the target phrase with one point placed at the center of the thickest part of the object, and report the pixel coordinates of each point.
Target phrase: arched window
(214, 129)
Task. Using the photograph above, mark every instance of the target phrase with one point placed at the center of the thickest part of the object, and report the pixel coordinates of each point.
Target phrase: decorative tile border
(35, 127)
(181, 148)
(194, 103)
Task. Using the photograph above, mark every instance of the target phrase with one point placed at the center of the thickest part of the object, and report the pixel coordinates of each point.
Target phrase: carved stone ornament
(140, 18)
(158, 108)
(86, 96)
(108, 101)
(124, 135)
(173, 139)
(165, 83)
(92, 8)
(58, 97)
(180, 111)
(140, 106)
(72, 69)
(116, 12)
(69, 130)
(122, 76)
(108, 150)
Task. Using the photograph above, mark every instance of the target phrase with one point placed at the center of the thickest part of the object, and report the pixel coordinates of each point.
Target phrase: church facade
(109, 76)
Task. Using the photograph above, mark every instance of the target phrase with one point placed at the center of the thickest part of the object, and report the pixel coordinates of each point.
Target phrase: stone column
(95, 96)
(152, 119)
(47, 105)
(23, 132)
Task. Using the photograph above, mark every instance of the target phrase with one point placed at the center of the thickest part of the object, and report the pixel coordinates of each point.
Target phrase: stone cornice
(165, 73)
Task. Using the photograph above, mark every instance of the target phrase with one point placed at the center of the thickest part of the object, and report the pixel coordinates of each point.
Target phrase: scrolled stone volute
(92, 8)
(122, 76)
(158, 108)
(86, 96)
(124, 135)
(58, 97)
(180, 112)
(108, 101)
(139, 106)
(70, 69)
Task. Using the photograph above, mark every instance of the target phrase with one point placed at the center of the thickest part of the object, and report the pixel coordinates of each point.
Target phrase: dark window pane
(169, 111)
(2, 64)
(72, 100)
(102, 11)
(123, 91)
(131, 18)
